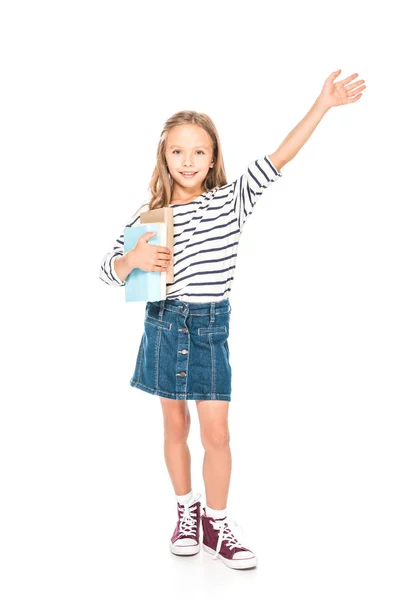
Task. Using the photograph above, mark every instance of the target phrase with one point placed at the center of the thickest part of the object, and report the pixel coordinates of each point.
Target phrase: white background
(87, 507)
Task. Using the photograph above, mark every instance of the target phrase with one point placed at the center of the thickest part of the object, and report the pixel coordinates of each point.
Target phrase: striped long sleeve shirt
(206, 236)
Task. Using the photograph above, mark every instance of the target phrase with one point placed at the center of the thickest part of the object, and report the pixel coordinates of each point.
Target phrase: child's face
(188, 148)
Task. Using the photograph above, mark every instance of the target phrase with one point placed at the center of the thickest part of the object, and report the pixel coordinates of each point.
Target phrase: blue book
(141, 286)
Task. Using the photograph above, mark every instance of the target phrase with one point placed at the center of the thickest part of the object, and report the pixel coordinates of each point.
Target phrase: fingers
(149, 234)
(333, 76)
(357, 91)
(163, 259)
(355, 84)
(350, 100)
(161, 265)
(348, 79)
(163, 252)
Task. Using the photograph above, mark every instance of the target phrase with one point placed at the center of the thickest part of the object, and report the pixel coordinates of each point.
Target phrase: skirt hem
(174, 396)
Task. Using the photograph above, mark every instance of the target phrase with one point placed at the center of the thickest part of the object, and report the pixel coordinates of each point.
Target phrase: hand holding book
(149, 257)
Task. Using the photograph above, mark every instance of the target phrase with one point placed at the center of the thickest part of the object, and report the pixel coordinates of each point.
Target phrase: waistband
(192, 308)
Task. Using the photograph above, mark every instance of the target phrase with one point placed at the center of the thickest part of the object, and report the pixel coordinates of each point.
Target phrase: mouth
(188, 174)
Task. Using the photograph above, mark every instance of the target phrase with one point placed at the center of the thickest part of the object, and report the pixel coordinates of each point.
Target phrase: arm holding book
(123, 265)
(115, 266)
(144, 256)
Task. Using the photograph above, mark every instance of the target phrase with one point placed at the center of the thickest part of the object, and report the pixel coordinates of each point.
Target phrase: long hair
(162, 184)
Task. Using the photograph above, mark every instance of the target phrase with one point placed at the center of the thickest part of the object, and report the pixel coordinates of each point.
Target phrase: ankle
(215, 514)
(186, 498)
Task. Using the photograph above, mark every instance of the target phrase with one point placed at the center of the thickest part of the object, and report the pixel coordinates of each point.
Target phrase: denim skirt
(184, 352)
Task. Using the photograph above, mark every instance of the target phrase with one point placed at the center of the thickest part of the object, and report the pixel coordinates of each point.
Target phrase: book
(163, 215)
(145, 285)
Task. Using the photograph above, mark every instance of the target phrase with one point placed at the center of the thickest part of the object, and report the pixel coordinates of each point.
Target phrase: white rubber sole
(234, 563)
(184, 550)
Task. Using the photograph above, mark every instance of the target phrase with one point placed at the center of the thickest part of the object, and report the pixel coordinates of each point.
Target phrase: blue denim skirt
(184, 352)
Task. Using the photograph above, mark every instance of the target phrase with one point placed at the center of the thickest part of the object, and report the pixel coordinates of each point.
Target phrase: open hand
(341, 92)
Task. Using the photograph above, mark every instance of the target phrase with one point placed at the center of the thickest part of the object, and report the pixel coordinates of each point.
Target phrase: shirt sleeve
(249, 187)
(107, 270)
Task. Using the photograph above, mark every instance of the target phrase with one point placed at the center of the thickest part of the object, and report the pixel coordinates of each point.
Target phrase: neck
(181, 196)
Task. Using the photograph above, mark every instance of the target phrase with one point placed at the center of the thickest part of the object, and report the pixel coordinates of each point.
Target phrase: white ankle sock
(186, 499)
(215, 514)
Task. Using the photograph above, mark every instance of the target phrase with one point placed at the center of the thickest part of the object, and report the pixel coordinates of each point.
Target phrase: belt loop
(212, 312)
(161, 311)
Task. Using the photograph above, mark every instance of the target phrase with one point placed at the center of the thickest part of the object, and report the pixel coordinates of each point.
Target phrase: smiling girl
(184, 352)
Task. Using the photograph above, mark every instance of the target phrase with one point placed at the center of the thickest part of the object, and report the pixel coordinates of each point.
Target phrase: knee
(215, 438)
(176, 427)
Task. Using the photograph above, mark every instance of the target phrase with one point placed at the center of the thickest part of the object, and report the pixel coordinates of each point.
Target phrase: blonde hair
(161, 184)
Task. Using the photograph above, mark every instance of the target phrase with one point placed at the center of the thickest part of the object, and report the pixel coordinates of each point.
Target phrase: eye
(173, 151)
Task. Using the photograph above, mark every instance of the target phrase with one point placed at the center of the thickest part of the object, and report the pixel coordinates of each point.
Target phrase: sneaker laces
(187, 518)
(226, 535)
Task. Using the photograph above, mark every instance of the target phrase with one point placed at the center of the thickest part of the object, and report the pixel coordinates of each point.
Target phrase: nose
(187, 161)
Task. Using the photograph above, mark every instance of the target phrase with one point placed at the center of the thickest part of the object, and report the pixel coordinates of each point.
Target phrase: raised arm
(248, 188)
(332, 94)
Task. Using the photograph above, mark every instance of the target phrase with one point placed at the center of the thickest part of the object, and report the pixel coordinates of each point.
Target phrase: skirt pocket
(207, 330)
(158, 323)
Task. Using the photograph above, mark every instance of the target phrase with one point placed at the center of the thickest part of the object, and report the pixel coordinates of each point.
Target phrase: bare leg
(176, 451)
(217, 465)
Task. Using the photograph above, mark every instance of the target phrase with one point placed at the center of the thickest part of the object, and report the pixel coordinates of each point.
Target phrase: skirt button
(181, 374)
(184, 351)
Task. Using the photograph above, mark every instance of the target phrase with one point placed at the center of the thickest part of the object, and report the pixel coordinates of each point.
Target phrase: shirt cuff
(112, 269)
(278, 173)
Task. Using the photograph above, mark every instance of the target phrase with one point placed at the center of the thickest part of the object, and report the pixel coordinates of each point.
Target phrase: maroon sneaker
(185, 539)
(219, 540)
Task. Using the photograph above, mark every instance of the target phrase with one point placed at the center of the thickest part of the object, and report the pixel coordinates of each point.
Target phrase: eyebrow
(196, 147)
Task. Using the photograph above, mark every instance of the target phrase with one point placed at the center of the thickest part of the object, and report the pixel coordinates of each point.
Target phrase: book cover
(141, 286)
(163, 215)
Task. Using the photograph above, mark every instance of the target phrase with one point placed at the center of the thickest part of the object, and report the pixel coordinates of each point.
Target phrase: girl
(184, 353)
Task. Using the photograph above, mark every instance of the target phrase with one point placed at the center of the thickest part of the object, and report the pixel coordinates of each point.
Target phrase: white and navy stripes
(206, 236)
